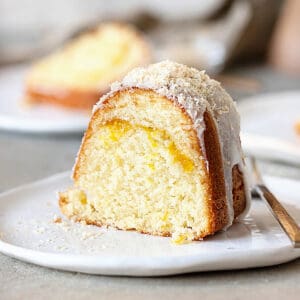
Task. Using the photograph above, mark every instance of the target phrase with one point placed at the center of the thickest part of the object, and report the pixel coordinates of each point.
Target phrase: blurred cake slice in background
(78, 74)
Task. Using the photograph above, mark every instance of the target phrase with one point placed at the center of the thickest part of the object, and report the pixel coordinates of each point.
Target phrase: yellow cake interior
(141, 169)
(91, 61)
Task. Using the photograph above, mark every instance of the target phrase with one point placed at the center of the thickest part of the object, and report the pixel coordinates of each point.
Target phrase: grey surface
(23, 281)
(24, 158)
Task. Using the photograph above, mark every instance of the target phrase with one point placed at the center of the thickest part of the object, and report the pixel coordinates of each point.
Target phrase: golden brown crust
(238, 191)
(66, 98)
(218, 204)
(217, 182)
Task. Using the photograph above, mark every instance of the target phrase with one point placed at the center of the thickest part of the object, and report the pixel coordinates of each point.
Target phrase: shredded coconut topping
(192, 89)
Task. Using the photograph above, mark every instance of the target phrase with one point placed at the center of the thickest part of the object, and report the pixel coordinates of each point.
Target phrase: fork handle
(287, 223)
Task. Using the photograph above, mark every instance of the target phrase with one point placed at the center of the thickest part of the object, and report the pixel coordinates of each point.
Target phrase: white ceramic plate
(29, 233)
(16, 116)
(267, 123)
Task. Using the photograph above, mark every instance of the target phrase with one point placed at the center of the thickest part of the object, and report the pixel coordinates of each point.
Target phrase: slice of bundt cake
(77, 75)
(161, 155)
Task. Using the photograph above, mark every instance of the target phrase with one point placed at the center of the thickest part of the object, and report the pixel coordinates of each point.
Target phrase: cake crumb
(62, 248)
(57, 219)
(90, 235)
(64, 225)
(40, 230)
(180, 239)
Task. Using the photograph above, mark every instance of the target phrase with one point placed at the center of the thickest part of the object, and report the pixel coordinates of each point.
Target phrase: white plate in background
(15, 116)
(29, 234)
(267, 124)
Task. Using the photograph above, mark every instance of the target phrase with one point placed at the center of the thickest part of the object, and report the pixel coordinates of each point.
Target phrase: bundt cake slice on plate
(78, 74)
(161, 155)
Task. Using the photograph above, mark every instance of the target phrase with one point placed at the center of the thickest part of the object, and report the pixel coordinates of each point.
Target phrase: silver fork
(287, 223)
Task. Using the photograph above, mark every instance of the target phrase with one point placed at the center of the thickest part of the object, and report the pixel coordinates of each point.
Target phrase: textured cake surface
(84, 68)
(162, 156)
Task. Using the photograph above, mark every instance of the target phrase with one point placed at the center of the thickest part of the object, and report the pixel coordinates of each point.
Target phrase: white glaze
(196, 93)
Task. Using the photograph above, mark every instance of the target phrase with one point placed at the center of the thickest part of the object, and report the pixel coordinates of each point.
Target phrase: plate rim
(285, 151)
(152, 266)
(18, 123)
